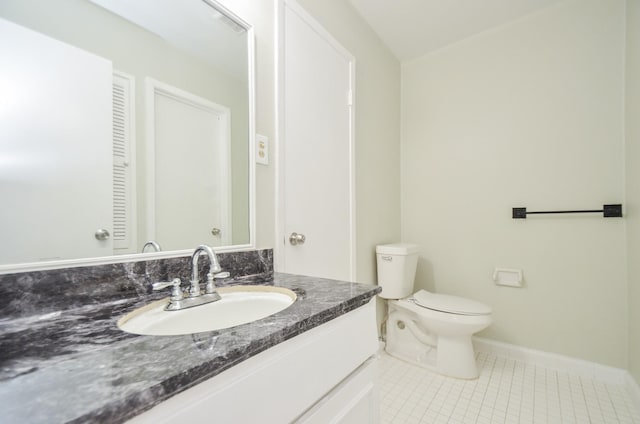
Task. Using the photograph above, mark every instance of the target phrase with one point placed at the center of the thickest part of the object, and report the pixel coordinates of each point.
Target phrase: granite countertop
(75, 365)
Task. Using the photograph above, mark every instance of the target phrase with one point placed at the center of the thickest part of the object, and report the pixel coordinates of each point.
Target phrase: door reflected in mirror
(123, 123)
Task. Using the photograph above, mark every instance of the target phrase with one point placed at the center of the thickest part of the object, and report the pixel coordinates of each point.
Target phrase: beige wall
(377, 124)
(524, 115)
(482, 132)
(527, 114)
(632, 155)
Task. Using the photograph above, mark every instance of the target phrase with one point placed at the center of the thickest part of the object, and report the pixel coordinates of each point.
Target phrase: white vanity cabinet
(325, 375)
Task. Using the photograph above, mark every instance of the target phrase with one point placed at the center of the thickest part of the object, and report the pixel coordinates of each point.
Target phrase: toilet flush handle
(386, 258)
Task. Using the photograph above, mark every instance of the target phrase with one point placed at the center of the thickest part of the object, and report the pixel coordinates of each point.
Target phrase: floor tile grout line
(572, 409)
(549, 374)
(513, 371)
(595, 395)
(425, 412)
(475, 386)
(397, 384)
(584, 398)
(459, 393)
(491, 376)
(484, 395)
(522, 387)
(629, 409)
(559, 393)
(613, 405)
(493, 407)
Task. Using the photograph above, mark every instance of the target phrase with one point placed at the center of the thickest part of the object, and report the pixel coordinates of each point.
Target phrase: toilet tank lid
(451, 304)
(397, 249)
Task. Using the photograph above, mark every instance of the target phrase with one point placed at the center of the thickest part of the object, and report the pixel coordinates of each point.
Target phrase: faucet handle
(176, 291)
(210, 287)
(211, 277)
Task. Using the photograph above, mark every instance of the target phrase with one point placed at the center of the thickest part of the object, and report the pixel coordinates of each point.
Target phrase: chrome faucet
(155, 246)
(195, 297)
(214, 268)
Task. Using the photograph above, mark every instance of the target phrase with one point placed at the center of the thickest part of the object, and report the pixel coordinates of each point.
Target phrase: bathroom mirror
(123, 123)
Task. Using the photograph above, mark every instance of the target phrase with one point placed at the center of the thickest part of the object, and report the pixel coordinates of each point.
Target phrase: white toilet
(427, 329)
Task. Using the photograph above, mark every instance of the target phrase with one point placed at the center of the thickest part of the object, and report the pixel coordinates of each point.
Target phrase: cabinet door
(353, 401)
(332, 365)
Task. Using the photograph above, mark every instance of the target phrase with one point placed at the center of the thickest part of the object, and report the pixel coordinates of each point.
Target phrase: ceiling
(412, 28)
(212, 37)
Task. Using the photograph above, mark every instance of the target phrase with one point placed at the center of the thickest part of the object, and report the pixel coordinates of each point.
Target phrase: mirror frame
(104, 260)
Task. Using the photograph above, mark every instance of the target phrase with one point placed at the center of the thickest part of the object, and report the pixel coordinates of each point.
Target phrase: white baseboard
(579, 367)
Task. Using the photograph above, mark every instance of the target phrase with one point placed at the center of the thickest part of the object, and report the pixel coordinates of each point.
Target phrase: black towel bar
(608, 211)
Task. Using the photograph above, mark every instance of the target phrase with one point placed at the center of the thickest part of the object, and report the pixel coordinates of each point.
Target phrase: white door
(55, 149)
(191, 195)
(316, 175)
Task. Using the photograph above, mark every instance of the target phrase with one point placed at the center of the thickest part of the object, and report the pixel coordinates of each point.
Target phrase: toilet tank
(396, 269)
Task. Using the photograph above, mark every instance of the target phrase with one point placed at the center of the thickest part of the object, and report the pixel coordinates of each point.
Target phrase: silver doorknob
(102, 234)
(216, 232)
(296, 239)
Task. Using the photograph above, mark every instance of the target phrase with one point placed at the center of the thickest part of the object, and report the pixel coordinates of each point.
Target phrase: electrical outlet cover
(262, 149)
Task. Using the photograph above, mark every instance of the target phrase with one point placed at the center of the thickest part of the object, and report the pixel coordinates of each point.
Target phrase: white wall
(632, 155)
(528, 114)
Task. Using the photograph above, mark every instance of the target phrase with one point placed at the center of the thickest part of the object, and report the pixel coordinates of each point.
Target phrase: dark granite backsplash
(41, 292)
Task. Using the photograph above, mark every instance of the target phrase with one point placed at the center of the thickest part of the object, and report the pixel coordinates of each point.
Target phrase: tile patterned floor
(507, 392)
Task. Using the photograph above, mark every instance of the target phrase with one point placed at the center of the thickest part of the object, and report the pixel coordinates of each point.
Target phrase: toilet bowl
(430, 330)
(431, 337)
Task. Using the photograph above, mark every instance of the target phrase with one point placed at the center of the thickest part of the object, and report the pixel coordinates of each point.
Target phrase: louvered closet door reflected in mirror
(124, 169)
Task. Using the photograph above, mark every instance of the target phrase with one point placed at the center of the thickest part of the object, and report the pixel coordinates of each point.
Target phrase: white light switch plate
(262, 149)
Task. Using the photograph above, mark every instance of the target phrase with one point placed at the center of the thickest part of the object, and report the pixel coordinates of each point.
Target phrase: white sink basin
(239, 305)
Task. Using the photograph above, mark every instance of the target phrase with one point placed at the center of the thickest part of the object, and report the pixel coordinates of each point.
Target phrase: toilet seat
(449, 304)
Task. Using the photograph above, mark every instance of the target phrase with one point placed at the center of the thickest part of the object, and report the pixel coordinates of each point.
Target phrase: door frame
(280, 204)
(153, 87)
